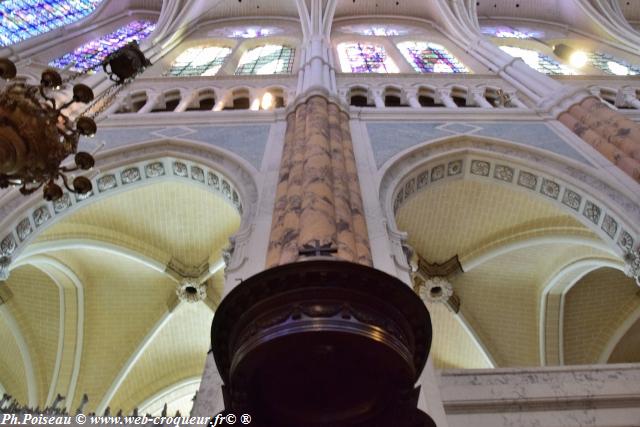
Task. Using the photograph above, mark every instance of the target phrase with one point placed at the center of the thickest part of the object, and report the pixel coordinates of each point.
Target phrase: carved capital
(632, 265)
(5, 262)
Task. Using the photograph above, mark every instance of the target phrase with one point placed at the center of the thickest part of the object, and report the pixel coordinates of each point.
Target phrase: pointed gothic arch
(608, 212)
(210, 168)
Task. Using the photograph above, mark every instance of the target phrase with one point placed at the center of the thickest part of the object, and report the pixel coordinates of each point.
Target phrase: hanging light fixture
(37, 134)
(576, 58)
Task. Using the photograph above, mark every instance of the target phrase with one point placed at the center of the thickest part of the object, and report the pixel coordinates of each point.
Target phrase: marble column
(318, 201)
(613, 135)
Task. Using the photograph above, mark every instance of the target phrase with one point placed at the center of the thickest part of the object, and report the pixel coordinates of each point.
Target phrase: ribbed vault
(125, 335)
(510, 246)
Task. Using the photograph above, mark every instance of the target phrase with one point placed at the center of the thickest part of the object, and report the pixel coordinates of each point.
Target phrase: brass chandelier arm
(36, 136)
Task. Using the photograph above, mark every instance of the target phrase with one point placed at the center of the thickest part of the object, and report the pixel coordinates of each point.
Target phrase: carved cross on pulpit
(317, 249)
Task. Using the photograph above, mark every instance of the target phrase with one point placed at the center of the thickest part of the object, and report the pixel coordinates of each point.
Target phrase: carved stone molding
(38, 215)
(632, 265)
(603, 209)
(5, 262)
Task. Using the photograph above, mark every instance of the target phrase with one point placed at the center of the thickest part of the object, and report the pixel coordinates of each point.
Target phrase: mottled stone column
(318, 201)
(613, 135)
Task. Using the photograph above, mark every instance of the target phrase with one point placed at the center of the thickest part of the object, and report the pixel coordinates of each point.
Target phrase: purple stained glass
(504, 31)
(90, 55)
(365, 58)
(430, 58)
(23, 19)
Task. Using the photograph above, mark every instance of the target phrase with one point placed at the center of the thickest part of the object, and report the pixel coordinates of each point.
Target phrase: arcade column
(321, 338)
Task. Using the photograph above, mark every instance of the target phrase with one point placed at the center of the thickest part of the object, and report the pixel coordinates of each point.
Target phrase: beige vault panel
(177, 353)
(594, 309)
(35, 307)
(180, 219)
(461, 216)
(452, 346)
(123, 300)
(500, 298)
(12, 371)
(628, 349)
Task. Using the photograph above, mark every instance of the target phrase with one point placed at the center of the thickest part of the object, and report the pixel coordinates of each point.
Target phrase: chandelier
(37, 132)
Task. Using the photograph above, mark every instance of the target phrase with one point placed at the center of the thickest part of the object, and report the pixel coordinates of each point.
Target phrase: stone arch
(609, 213)
(600, 305)
(210, 168)
(552, 305)
(569, 186)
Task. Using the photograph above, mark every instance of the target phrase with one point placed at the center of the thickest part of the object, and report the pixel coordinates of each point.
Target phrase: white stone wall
(602, 396)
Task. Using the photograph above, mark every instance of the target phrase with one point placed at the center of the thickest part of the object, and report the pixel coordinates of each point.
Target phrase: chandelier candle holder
(36, 133)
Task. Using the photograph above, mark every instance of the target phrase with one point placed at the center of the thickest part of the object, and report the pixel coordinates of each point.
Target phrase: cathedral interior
(483, 155)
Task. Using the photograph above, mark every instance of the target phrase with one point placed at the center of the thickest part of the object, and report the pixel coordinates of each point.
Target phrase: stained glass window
(252, 32)
(267, 59)
(23, 19)
(612, 65)
(374, 30)
(90, 55)
(538, 61)
(365, 58)
(503, 31)
(430, 58)
(245, 32)
(200, 61)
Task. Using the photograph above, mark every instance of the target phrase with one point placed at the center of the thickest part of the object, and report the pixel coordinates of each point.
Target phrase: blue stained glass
(23, 19)
(504, 31)
(538, 61)
(90, 55)
(612, 65)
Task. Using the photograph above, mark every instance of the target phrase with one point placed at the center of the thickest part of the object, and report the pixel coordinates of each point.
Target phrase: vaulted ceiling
(90, 308)
(513, 249)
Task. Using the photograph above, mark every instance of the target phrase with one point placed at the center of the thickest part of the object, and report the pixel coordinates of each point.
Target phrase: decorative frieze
(41, 215)
(550, 188)
(592, 211)
(571, 199)
(527, 180)
(107, 182)
(604, 221)
(24, 229)
(154, 170)
(110, 182)
(8, 245)
(130, 175)
(503, 173)
(480, 168)
(62, 203)
(610, 226)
